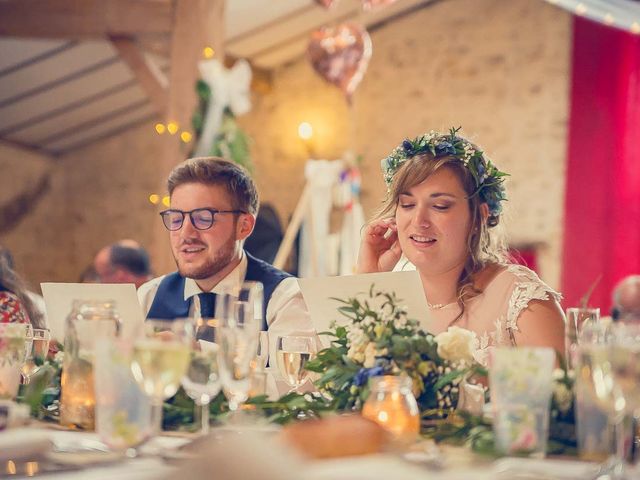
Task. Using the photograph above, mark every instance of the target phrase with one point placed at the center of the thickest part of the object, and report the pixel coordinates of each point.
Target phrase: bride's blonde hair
(484, 246)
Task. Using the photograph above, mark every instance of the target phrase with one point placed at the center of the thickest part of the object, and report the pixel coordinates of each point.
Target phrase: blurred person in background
(125, 261)
(16, 303)
(626, 300)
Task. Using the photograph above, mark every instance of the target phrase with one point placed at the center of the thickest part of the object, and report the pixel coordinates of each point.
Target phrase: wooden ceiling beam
(151, 79)
(198, 24)
(82, 19)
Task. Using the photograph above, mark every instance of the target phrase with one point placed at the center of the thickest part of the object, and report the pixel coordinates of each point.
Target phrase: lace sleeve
(527, 287)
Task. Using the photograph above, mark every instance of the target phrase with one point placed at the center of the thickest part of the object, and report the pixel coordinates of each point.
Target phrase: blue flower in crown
(444, 148)
(408, 147)
(488, 178)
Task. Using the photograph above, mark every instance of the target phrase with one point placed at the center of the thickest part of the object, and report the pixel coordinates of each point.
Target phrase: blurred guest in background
(265, 240)
(626, 300)
(125, 261)
(16, 305)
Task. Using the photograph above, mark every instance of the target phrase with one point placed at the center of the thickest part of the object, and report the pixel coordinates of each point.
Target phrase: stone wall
(498, 68)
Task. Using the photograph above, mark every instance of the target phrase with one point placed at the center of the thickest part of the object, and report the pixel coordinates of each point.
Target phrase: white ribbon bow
(229, 88)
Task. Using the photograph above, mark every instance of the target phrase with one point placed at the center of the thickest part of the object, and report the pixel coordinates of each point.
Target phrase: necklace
(438, 306)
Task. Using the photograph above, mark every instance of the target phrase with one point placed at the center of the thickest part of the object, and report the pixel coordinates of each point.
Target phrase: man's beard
(212, 266)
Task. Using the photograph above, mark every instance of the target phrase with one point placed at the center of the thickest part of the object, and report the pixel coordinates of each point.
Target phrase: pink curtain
(602, 210)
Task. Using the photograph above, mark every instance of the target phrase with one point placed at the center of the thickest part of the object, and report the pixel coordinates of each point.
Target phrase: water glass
(577, 319)
(239, 314)
(123, 410)
(160, 359)
(521, 385)
(292, 354)
(14, 338)
(592, 427)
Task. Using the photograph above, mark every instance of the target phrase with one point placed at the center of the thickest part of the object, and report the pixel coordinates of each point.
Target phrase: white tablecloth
(251, 456)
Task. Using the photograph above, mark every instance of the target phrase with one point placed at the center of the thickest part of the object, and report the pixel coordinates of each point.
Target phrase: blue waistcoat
(169, 302)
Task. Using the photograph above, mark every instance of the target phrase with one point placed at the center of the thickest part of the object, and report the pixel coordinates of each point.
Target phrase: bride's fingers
(380, 228)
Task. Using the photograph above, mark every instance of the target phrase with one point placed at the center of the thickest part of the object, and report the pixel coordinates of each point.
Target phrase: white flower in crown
(457, 344)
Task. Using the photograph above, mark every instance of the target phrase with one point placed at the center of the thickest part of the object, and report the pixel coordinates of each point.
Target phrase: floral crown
(489, 180)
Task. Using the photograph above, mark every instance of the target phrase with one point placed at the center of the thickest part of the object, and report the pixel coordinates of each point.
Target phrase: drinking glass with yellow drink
(161, 353)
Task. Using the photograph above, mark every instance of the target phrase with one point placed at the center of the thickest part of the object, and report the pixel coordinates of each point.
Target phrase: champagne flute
(292, 354)
(201, 382)
(160, 360)
(239, 313)
(36, 353)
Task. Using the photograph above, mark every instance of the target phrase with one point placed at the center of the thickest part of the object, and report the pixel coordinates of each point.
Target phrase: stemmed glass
(37, 349)
(292, 354)
(239, 313)
(612, 371)
(202, 380)
(160, 359)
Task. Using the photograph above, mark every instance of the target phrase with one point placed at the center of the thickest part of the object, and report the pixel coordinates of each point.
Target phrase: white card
(318, 293)
(59, 297)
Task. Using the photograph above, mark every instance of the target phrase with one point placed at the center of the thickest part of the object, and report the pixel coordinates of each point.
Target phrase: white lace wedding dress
(493, 314)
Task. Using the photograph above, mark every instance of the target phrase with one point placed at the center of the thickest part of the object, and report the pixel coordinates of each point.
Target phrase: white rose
(457, 344)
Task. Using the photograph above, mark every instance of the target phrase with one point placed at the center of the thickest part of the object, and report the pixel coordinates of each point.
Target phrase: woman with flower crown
(444, 197)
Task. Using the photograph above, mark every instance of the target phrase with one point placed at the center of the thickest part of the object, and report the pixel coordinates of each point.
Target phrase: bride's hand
(379, 248)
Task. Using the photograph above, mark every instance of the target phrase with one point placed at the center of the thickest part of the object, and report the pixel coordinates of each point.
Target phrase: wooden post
(198, 24)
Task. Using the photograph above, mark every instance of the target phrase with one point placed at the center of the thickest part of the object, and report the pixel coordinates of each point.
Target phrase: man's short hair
(219, 172)
(134, 260)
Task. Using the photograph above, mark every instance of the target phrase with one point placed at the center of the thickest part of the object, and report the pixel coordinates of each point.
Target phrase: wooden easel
(302, 209)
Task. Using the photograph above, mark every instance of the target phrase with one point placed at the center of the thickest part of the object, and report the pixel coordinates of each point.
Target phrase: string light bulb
(172, 127)
(635, 28)
(160, 128)
(305, 131)
(186, 137)
(166, 201)
(608, 19)
(154, 198)
(208, 52)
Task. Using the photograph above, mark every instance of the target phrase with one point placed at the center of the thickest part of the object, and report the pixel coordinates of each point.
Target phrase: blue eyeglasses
(201, 218)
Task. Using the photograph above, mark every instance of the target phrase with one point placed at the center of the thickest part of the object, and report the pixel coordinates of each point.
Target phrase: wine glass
(160, 360)
(611, 371)
(36, 352)
(292, 354)
(239, 313)
(201, 382)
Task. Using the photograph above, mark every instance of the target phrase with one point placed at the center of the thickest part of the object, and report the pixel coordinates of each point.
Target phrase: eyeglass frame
(213, 211)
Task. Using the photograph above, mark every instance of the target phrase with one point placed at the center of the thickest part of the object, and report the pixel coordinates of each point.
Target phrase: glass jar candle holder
(392, 405)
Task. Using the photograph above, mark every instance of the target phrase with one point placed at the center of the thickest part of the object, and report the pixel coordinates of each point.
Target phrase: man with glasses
(213, 210)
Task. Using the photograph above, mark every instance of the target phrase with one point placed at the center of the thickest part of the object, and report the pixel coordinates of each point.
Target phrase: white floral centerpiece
(382, 340)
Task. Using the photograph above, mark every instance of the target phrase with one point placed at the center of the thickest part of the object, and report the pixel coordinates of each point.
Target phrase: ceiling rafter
(83, 19)
(149, 76)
